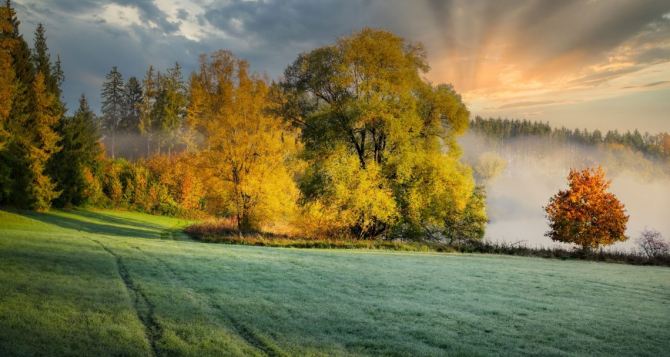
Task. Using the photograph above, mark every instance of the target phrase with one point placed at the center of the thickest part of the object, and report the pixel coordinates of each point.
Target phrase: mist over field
(536, 168)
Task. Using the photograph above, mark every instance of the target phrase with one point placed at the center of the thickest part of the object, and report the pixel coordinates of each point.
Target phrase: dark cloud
(182, 14)
(271, 33)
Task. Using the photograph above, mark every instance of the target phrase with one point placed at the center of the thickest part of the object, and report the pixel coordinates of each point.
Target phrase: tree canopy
(379, 139)
(586, 214)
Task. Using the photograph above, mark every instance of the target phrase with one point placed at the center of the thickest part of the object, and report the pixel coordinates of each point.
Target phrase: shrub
(652, 244)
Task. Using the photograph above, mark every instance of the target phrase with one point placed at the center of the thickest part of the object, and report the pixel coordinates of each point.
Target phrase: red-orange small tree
(586, 214)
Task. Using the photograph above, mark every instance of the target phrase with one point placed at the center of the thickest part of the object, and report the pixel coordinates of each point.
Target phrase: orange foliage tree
(586, 214)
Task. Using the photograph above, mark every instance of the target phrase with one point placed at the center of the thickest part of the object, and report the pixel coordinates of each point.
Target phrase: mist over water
(537, 169)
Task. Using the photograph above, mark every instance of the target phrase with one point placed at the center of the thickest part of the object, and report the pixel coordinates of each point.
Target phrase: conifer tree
(113, 99)
(14, 160)
(7, 77)
(131, 112)
(42, 190)
(81, 148)
(147, 111)
(173, 105)
(42, 58)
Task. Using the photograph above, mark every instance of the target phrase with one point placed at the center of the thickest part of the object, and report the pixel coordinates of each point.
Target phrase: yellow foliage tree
(7, 76)
(364, 97)
(245, 148)
(44, 144)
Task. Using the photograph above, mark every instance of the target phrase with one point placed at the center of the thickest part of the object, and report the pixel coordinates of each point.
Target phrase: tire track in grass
(252, 337)
(141, 304)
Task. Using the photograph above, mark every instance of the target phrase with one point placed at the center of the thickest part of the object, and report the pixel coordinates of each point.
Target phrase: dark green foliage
(42, 58)
(81, 149)
(113, 103)
(130, 120)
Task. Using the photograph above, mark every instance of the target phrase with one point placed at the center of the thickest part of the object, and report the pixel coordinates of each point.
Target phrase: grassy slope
(120, 283)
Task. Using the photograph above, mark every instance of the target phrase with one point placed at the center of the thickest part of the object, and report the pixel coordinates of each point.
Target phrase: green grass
(109, 283)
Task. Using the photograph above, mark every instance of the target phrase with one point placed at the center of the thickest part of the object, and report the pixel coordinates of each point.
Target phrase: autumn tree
(245, 148)
(586, 214)
(42, 190)
(7, 76)
(14, 160)
(379, 140)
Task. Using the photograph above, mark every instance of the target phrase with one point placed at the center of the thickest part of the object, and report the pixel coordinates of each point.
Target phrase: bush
(652, 245)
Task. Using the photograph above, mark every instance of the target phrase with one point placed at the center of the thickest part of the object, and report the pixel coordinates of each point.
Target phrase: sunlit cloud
(515, 58)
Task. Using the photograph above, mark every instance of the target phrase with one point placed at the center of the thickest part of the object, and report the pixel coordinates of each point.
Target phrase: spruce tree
(174, 105)
(147, 121)
(80, 151)
(131, 111)
(42, 58)
(113, 98)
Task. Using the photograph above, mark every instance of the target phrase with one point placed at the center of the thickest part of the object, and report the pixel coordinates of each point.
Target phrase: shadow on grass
(117, 226)
(100, 216)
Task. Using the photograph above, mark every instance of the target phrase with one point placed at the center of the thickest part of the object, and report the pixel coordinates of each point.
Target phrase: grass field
(104, 283)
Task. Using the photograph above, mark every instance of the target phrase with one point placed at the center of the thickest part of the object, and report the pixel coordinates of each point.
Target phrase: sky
(578, 63)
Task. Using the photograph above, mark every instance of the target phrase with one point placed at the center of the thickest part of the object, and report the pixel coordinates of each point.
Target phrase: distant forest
(655, 146)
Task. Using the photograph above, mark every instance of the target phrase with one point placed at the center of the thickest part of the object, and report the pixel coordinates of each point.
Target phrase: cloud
(649, 85)
(501, 54)
(529, 104)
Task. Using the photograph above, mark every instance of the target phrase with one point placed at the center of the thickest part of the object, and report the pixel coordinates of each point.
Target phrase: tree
(14, 160)
(147, 123)
(7, 75)
(80, 150)
(586, 214)
(42, 190)
(652, 244)
(364, 97)
(246, 147)
(42, 59)
(113, 101)
(172, 105)
(130, 121)
(489, 166)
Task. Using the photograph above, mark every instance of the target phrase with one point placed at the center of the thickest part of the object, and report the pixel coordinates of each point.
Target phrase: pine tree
(80, 150)
(131, 110)
(113, 98)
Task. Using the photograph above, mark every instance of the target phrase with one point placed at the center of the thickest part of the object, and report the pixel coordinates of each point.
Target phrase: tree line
(351, 141)
(44, 154)
(651, 145)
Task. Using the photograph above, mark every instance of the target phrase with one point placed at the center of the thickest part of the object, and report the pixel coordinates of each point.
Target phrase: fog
(537, 168)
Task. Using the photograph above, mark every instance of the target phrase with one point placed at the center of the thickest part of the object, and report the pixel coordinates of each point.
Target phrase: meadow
(115, 283)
